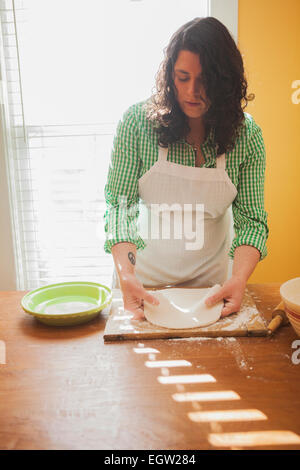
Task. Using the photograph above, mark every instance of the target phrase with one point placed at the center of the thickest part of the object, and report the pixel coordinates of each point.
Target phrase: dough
(183, 308)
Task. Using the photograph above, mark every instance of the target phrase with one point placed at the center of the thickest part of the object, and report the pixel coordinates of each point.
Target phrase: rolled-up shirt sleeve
(249, 215)
(121, 189)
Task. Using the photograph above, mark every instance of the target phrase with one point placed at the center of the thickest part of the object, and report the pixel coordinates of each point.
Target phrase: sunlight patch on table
(187, 379)
(253, 439)
(175, 363)
(221, 395)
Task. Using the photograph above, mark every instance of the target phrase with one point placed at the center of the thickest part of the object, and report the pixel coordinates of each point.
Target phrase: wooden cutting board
(119, 325)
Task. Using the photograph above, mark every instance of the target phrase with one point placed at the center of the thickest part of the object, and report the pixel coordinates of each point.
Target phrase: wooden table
(63, 388)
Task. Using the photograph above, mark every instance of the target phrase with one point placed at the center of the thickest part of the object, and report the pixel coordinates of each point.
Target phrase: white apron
(170, 208)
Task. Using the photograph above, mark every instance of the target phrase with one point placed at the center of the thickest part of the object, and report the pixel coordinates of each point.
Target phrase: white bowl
(290, 294)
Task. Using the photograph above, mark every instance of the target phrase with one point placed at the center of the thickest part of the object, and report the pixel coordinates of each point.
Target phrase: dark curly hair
(223, 80)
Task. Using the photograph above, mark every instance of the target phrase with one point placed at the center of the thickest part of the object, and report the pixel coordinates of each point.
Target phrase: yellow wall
(269, 40)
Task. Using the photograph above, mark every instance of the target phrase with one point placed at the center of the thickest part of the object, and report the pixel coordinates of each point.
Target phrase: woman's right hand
(134, 294)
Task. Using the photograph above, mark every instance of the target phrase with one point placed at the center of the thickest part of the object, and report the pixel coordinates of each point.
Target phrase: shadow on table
(30, 326)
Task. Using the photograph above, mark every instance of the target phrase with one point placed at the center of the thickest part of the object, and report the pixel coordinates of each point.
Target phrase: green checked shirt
(135, 150)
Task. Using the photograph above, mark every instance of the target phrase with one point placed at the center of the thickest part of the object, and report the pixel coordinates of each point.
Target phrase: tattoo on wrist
(131, 258)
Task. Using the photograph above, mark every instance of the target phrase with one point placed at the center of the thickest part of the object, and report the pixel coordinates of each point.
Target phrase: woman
(188, 153)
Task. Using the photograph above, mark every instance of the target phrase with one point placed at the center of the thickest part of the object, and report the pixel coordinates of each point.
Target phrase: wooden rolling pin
(278, 317)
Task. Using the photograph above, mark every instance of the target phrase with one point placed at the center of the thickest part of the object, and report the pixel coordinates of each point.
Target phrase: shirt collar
(210, 137)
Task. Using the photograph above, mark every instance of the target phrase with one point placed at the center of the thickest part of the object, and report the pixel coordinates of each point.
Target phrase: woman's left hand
(232, 292)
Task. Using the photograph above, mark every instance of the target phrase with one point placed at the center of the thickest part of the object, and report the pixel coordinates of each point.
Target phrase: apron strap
(162, 153)
(221, 162)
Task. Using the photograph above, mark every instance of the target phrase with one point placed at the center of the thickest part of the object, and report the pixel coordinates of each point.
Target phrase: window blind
(57, 158)
(57, 175)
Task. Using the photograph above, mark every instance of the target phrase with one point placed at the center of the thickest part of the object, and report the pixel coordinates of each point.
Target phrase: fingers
(213, 299)
(136, 312)
(227, 311)
(134, 295)
(229, 308)
(138, 290)
(150, 298)
(145, 295)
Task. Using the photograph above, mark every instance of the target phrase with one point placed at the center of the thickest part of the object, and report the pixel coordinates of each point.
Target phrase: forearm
(124, 255)
(245, 260)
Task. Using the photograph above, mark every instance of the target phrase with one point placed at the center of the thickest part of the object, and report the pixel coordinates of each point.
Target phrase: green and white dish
(67, 303)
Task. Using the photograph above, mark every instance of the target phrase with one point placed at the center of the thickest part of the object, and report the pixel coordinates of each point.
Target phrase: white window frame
(225, 10)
